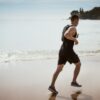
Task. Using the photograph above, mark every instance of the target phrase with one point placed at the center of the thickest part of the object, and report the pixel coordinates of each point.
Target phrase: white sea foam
(37, 55)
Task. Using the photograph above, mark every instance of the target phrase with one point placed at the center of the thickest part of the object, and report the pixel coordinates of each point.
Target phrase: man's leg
(76, 73)
(55, 75)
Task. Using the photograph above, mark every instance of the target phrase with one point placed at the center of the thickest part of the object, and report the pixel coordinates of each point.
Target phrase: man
(66, 53)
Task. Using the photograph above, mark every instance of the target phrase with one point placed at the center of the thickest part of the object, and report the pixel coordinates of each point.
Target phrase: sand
(29, 80)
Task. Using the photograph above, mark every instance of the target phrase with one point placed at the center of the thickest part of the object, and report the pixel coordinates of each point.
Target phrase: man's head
(74, 20)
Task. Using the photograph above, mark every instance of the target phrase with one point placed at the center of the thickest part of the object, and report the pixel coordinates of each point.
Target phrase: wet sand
(29, 80)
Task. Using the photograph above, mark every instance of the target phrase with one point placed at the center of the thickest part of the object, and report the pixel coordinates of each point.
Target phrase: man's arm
(70, 33)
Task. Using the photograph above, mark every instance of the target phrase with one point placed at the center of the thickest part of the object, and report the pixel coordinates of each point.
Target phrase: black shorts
(67, 55)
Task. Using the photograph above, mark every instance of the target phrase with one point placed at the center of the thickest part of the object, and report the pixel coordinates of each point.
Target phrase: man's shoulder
(67, 26)
(72, 28)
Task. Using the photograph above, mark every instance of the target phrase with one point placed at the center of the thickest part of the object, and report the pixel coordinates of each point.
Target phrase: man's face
(75, 22)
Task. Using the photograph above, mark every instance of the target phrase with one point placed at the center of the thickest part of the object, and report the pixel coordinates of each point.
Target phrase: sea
(27, 37)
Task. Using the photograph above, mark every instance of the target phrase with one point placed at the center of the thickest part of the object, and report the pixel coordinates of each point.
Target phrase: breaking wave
(36, 55)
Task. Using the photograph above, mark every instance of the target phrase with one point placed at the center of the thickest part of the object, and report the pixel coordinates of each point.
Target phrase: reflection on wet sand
(52, 96)
(83, 96)
(75, 96)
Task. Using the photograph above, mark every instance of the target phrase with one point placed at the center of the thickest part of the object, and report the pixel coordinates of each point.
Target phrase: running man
(66, 53)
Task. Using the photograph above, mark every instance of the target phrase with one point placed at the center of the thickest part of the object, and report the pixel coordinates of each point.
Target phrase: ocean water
(31, 37)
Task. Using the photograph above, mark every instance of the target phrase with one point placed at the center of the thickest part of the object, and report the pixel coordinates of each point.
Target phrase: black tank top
(68, 44)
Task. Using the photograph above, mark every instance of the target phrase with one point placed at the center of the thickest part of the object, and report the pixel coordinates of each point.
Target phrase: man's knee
(78, 64)
(60, 68)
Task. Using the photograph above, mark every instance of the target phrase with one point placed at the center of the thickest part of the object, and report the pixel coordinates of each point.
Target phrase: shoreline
(29, 80)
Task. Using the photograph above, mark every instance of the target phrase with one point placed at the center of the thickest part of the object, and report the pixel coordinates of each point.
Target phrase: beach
(29, 80)
(30, 39)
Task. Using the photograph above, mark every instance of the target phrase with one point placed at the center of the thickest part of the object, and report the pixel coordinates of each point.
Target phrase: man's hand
(76, 41)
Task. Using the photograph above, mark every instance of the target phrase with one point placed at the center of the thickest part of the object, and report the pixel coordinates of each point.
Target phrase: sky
(47, 5)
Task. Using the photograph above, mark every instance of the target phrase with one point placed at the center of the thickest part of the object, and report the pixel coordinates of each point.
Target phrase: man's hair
(73, 17)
